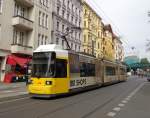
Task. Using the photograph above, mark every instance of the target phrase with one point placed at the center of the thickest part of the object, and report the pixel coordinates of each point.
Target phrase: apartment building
(119, 49)
(24, 25)
(92, 32)
(67, 14)
(108, 43)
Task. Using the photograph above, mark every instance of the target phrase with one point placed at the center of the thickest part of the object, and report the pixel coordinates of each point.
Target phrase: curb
(5, 99)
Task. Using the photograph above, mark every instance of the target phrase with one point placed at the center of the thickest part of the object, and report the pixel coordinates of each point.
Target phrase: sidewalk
(12, 91)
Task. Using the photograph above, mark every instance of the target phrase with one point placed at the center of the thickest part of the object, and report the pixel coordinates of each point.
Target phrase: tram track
(55, 106)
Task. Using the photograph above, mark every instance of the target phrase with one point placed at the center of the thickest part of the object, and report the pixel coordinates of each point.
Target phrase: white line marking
(121, 105)
(24, 92)
(137, 89)
(111, 114)
(117, 109)
(124, 101)
(7, 91)
(127, 99)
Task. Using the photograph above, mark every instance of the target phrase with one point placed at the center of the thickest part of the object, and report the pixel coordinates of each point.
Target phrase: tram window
(61, 68)
(122, 71)
(87, 70)
(110, 71)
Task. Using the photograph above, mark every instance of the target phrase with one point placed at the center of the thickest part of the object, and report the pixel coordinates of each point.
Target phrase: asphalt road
(119, 101)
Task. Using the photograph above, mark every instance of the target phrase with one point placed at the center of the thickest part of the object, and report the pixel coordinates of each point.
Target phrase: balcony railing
(22, 23)
(20, 49)
(28, 3)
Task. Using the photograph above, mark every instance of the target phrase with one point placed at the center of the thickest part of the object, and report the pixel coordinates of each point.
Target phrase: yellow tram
(57, 71)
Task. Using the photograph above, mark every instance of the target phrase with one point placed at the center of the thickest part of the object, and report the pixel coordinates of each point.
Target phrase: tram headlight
(48, 82)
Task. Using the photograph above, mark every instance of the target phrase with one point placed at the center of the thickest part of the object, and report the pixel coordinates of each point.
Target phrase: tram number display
(78, 82)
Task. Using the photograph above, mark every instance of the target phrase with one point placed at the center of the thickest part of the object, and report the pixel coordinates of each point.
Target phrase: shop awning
(13, 60)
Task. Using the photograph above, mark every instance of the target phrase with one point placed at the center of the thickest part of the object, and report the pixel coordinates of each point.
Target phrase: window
(61, 68)
(58, 26)
(63, 13)
(84, 23)
(45, 40)
(63, 43)
(47, 3)
(110, 71)
(42, 41)
(46, 21)
(68, 3)
(57, 40)
(63, 27)
(19, 10)
(68, 16)
(39, 38)
(15, 37)
(43, 17)
(40, 18)
(21, 38)
(75, 47)
(0, 32)
(58, 9)
(79, 35)
(87, 69)
(84, 38)
(1, 5)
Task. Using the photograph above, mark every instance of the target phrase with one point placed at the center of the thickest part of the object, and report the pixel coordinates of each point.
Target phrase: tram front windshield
(43, 64)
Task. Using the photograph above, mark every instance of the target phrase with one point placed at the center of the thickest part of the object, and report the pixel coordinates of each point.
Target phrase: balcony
(28, 3)
(19, 49)
(22, 23)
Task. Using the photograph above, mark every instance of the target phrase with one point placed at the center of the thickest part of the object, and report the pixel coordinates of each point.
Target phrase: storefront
(16, 68)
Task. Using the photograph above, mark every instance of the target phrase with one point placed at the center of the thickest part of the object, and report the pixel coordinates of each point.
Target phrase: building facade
(67, 14)
(108, 44)
(92, 32)
(119, 49)
(24, 25)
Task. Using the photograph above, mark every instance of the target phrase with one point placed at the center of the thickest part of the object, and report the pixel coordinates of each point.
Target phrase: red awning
(13, 60)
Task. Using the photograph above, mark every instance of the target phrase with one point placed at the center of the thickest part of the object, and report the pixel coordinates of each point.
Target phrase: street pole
(69, 30)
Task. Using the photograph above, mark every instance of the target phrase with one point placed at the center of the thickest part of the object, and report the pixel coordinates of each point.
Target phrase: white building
(67, 13)
(24, 25)
(119, 50)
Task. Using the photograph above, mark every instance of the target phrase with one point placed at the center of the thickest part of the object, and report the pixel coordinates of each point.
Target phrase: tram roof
(50, 48)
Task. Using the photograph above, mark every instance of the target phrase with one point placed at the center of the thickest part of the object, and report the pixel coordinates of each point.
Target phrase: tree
(144, 61)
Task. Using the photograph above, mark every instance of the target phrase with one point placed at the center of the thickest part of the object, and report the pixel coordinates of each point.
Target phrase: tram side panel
(122, 73)
(99, 72)
(110, 73)
(82, 72)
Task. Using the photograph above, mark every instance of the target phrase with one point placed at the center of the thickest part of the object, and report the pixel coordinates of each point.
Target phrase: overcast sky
(129, 19)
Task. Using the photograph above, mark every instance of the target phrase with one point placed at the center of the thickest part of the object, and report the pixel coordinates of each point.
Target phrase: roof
(108, 28)
(50, 48)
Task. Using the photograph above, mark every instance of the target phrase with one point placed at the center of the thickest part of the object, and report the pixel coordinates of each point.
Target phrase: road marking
(121, 105)
(7, 91)
(127, 99)
(137, 89)
(124, 101)
(111, 114)
(23, 92)
(117, 109)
